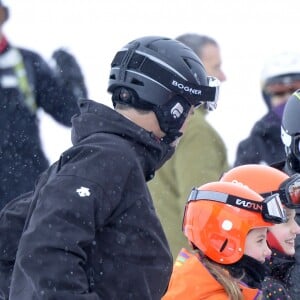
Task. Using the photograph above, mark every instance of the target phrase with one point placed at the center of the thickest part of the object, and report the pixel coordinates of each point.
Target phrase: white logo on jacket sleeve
(83, 192)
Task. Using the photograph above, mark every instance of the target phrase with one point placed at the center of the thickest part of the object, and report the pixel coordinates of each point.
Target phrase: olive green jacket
(200, 157)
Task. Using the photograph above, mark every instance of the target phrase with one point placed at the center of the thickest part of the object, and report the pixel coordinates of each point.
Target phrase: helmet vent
(193, 67)
(137, 82)
(187, 63)
(224, 245)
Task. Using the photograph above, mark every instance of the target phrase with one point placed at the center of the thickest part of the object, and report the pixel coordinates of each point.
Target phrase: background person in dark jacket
(290, 135)
(26, 84)
(280, 78)
(91, 230)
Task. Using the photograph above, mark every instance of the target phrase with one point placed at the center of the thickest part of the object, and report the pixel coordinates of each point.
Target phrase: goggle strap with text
(270, 208)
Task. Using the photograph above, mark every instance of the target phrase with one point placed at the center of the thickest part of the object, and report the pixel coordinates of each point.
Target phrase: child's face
(285, 233)
(256, 244)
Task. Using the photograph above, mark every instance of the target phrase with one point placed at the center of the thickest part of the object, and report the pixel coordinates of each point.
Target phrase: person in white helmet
(280, 77)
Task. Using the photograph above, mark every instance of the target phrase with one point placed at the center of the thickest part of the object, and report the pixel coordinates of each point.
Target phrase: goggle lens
(294, 192)
(282, 89)
(214, 83)
(273, 209)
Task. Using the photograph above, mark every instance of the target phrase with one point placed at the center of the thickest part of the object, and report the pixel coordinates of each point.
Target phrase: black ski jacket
(92, 231)
(276, 284)
(12, 220)
(21, 155)
(264, 144)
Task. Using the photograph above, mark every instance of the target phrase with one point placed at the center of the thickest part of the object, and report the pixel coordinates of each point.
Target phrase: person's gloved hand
(66, 64)
(68, 71)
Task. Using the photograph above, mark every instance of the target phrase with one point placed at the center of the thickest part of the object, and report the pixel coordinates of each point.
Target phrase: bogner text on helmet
(186, 88)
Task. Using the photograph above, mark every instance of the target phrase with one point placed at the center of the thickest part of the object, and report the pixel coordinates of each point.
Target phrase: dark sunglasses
(282, 93)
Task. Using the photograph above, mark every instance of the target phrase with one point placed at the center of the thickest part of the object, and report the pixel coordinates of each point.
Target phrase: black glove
(68, 72)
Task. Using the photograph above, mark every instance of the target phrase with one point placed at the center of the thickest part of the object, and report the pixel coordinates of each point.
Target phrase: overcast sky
(248, 31)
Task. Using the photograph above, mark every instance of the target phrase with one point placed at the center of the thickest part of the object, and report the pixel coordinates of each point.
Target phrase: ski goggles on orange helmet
(270, 208)
(289, 192)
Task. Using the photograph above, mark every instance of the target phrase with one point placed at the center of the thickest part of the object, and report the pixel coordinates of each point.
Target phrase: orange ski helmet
(219, 215)
(267, 180)
(260, 178)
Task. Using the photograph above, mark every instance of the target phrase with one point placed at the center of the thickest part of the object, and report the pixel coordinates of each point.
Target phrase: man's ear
(3, 14)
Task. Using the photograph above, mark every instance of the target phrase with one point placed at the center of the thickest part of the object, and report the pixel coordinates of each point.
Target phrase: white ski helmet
(282, 68)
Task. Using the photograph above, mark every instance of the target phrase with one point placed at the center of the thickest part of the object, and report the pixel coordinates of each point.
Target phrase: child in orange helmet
(226, 224)
(281, 237)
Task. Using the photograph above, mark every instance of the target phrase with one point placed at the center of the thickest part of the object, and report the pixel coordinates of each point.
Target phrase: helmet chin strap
(171, 117)
(171, 136)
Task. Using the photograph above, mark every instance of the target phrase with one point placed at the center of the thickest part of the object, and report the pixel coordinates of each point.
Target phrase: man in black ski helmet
(91, 230)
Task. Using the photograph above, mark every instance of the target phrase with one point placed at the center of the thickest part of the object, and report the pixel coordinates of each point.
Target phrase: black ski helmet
(163, 75)
(290, 129)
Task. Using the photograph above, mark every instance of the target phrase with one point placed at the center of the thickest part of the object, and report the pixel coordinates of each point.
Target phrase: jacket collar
(97, 118)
